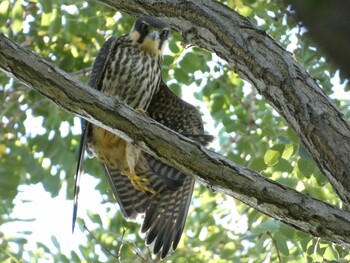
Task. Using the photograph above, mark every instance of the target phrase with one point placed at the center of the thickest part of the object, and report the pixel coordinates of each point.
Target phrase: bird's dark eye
(164, 34)
(144, 27)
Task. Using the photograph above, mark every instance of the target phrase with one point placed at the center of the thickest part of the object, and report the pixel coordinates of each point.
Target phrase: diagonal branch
(283, 203)
(272, 70)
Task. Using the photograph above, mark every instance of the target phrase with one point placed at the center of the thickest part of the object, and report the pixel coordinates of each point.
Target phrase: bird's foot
(139, 183)
(141, 111)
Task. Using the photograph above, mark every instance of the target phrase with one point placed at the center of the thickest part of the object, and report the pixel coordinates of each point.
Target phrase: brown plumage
(131, 73)
(129, 68)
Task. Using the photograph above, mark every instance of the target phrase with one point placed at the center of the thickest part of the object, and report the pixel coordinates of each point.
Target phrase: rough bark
(217, 172)
(273, 71)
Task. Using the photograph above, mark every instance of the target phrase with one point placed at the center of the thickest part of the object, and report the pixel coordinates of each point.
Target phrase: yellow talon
(139, 183)
(141, 111)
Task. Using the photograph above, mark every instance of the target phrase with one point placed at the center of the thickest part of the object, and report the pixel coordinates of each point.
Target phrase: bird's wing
(158, 176)
(165, 219)
(173, 112)
(131, 201)
(100, 63)
(95, 78)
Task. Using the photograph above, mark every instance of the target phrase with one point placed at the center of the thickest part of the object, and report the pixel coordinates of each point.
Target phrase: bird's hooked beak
(154, 35)
(152, 43)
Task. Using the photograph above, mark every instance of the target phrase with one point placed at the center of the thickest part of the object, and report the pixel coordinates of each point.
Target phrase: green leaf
(267, 226)
(281, 244)
(7, 260)
(55, 22)
(47, 5)
(4, 11)
(272, 157)
(176, 88)
(288, 181)
(228, 250)
(9, 181)
(182, 76)
(44, 247)
(304, 154)
(55, 242)
(287, 231)
(94, 217)
(168, 60)
(257, 164)
(260, 245)
(74, 257)
(17, 17)
(330, 253)
(321, 179)
(283, 166)
(306, 168)
(292, 136)
(288, 151)
(51, 184)
(174, 47)
(283, 139)
(45, 19)
(218, 102)
(245, 11)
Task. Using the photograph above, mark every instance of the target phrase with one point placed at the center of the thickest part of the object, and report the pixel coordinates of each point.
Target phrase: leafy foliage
(38, 141)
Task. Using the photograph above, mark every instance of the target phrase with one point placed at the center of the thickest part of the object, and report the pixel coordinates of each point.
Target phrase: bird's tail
(79, 171)
(165, 218)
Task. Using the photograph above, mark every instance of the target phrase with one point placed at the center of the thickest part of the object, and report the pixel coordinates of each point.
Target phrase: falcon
(129, 69)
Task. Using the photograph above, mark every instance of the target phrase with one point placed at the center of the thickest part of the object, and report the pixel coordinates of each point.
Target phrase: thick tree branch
(219, 173)
(272, 70)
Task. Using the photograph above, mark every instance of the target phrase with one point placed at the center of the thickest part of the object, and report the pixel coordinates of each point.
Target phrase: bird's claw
(141, 111)
(139, 183)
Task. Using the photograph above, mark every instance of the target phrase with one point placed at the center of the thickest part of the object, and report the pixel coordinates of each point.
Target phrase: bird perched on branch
(129, 69)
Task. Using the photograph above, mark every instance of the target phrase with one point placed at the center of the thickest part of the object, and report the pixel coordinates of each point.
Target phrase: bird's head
(151, 34)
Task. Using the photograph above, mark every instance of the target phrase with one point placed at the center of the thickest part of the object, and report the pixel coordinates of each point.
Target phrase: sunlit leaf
(288, 151)
(45, 19)
(17, 17)
(272, 157)
(4, 11)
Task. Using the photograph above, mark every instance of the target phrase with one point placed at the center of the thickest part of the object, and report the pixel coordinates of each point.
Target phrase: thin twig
(276, 247)
(121, 245)
(93, 236)
(12, 257)
(315, 248)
